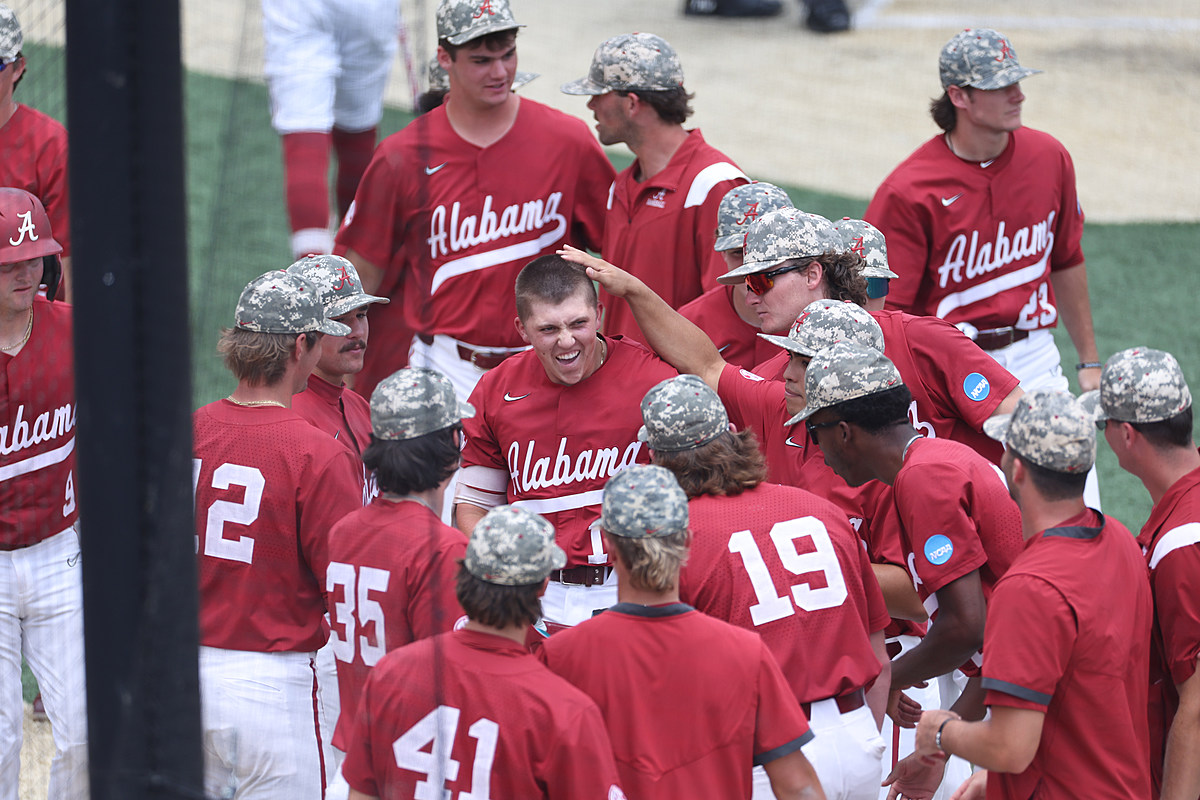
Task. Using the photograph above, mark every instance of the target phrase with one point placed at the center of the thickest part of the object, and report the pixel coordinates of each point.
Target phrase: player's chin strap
(51, 275)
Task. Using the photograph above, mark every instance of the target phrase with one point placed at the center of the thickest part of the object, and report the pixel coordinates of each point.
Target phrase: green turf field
(1141, 274)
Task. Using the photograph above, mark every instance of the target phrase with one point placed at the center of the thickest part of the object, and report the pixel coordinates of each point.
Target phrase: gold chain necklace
(25, 338)
(255, 403)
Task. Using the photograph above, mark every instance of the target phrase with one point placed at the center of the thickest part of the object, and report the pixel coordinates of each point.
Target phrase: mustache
(350, 347)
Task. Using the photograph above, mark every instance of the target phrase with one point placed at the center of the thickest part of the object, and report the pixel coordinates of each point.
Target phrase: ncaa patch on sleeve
(938, 549)
(977, 387)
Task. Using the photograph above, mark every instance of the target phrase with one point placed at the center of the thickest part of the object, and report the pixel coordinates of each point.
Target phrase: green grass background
(1143, 277)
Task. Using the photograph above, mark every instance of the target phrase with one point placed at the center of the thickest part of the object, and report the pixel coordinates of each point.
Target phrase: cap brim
(1090, 401)
(584, 86)
(465, 410)
(878, 272)
(344, 305)
(643, 435)
(736, 276)
(333, 328)
(803, 415)
(997, 427)
(1005, 77)
(731, 241)
(787, 343)
(523, 78)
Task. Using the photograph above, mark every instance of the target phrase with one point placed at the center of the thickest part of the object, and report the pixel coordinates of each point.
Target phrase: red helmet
(25, 234)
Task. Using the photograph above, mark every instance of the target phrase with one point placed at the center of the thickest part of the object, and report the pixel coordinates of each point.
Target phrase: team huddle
(752, 504)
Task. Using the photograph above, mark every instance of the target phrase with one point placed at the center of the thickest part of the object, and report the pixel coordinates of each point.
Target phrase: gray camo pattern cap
(439, 80)
(513, 547)
(413, 402)
(781, 235)
(845, 371)
(982, 58)
(740, 207)
(11, 39)
(280, 302)
(1050, 429)
(863, 238)
(644, 501)
(681, 413)
(826, 322)
(628, 62)
(1139, 385)
(338, 282)
(460, 21)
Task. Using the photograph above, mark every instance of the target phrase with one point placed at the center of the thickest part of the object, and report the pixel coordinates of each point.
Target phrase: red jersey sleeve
(1068, 234)
(596, 175)
(780, 725)
(877, 617)
(747, 397)
(358, 766)
(55, 193)
(580, 763)
(941, 532)
(1176, 582)
(333, 493)
(1022, 670)
(481, 448)
(370, 227)
(902, 225)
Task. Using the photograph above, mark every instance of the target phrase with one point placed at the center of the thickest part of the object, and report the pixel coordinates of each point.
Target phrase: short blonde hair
(260, 359)
(654, 562)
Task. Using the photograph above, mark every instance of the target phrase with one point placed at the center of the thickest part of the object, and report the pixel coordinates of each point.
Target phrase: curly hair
(728, 465)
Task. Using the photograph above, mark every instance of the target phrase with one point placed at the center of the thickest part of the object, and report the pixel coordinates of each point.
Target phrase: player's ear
(814, 275)
(521, 330)
(443, 58)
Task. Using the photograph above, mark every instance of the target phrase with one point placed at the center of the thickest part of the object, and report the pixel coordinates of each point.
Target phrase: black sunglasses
(813, 427)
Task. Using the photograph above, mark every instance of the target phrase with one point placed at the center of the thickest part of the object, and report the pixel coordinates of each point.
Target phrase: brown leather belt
(998, 338)
(482, 359)
(845, 703)
(581, 576)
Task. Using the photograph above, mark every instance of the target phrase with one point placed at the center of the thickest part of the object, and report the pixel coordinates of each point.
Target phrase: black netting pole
(124, 99)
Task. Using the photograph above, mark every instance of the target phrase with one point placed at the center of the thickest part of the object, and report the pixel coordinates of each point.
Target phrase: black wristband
(1089, 365)
(937, 740)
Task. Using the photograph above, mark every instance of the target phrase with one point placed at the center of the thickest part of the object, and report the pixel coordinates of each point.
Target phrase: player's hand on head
(973, 788)
(614, 280)
(913, 779)
(904, 711)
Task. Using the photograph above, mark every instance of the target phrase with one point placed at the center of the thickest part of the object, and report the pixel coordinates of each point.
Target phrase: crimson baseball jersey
(955, 385)
(33, 157)
(472, 714)
(560, 444)
(390, 581)
(976, 242)
(343, 414)
(691, 703)
(956, 516)
(662, 229)
(736, 340)
(451, 224)
(1171, 541)
(37, 431)
(784, 563)
(1058, 641)
(268, 488)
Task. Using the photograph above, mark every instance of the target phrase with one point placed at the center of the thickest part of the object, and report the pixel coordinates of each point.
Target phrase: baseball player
(33, 146)
(326, 64)
(678, 731)
(1144, 406)
(471, 713)
(41, 592)
(865, 240)
(392, 564)
(722, 312)
(453, 205)
(439, 85)
(983, 222)
(785, 564)
(554, 424)
(1058, 651)
(662, 208)
(269, 486)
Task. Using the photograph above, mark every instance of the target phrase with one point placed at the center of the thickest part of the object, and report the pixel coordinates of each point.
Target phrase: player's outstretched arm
(1181, 772)
(954, 636)
(973, 788)
(793, 778)
(877, 697)
(1006, 741)
(901, 598)
(914, 779)
(467, 516)
(1075, 308)
(676, 340)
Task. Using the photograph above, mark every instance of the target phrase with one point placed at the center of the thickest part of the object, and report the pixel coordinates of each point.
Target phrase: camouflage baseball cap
(280, 302)
(338, 282)
(982, 58)
(1050, 429)
(825, 322)
(781, 235)
(1139, 385)
(413, 402)
(11, 40)
(513, 547)
(741, 206)
(644, 501)
(628, 62)
(681, 413)
(865, 239)
(439, 80)
(460, 21)
(845, 371)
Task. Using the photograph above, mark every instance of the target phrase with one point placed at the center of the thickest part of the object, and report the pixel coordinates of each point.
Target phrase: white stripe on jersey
(566, 502)
(502, 255)
(709, 177)
(1174, 539)
(982, 291)
(34, 463)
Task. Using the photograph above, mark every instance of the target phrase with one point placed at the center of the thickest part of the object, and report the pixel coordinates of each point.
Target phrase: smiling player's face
(563, 336)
